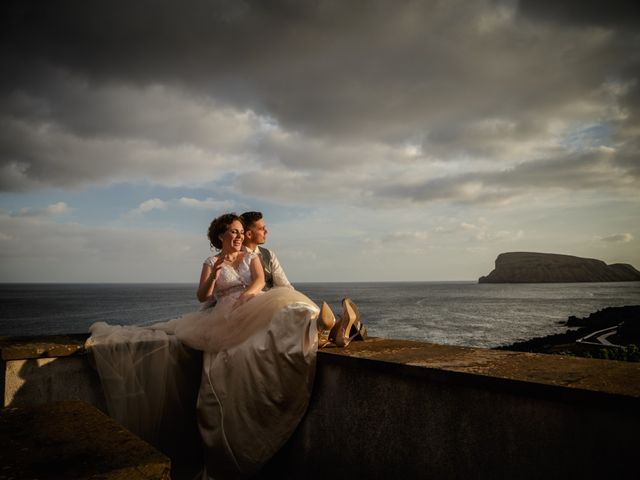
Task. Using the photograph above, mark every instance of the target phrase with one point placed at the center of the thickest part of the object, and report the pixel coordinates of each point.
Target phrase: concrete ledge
(395, 408)
(398, 409)
(73, 440)
(23, 348)
(38, 370)
(554, 376)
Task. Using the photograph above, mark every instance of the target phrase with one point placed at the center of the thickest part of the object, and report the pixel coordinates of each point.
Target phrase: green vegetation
(630, 353)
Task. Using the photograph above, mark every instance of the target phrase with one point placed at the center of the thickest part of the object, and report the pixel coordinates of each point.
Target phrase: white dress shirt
(277, 273)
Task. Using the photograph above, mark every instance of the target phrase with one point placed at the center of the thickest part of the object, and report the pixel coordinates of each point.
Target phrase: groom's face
(259, 232)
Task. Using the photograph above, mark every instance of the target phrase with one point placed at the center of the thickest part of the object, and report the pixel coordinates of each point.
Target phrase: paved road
(600, 337)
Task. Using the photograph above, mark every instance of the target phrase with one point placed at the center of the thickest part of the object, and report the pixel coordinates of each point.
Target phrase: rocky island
(532, 267)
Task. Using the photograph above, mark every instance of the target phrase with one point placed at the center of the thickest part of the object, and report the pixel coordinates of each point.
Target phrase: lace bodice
(232, 280)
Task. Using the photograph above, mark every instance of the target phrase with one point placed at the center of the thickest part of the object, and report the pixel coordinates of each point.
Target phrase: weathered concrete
(73, 440)
(47, 369)
(53, 346)
(489, 367)
(399, 409)
(394, 408)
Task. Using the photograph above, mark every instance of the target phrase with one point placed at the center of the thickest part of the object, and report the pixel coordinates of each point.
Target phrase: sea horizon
(465, 313)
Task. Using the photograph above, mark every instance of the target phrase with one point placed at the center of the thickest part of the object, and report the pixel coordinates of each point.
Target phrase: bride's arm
(208, 277)
(257, 280)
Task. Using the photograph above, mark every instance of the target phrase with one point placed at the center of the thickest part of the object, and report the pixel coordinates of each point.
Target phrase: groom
(255, 234)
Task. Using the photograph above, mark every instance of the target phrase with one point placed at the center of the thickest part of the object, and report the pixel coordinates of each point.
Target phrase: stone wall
(395, 409)
(47, 369)
(390, 408)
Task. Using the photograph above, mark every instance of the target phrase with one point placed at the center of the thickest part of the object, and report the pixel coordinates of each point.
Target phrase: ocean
(452, 313)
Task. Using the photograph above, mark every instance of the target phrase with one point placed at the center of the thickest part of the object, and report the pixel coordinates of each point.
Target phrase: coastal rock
(607, 317)
(532, 267)
(626, 339)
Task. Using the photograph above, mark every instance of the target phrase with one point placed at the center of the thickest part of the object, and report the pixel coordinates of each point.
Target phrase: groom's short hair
(249, 218)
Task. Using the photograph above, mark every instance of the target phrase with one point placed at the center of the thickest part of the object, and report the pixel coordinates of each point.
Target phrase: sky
(382, 140)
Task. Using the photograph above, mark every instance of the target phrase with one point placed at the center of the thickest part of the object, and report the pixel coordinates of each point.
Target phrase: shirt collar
(247, 249)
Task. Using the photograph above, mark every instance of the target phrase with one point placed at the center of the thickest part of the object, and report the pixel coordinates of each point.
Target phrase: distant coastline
(611, 333)
(534, 267)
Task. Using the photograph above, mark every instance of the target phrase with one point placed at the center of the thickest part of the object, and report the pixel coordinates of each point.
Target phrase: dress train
(255, 376)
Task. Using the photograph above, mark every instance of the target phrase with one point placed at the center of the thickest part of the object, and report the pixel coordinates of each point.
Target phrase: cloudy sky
(383, 140)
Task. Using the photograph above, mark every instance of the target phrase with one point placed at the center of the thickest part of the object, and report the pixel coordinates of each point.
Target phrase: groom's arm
(277, 273)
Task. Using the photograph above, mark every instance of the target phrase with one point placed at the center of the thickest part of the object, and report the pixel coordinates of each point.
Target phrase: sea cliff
(532, 267)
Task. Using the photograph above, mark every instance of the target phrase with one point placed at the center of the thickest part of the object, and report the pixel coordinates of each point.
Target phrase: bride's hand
(245, 297)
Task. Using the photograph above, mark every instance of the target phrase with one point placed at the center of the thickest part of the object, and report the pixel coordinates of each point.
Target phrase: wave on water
(454, 313)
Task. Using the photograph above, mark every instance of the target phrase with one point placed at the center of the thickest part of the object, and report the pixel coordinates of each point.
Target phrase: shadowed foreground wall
(400, 409)
(396, 409)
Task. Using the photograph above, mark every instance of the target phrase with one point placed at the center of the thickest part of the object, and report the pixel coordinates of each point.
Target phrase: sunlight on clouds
(406, 236)
(207, 204)
(14, 176)
(617, 238)
(501, 16)
(483, 233)
(412, 150)
(155, 204)
(619, 88)
(71, 252)
(156, 113)
(61, 159)
(129, 134)
(473, 123)
(470, 190)
(146, 207)
(58, 208)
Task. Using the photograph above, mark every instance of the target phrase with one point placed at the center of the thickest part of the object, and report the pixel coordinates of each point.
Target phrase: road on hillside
(600, 337)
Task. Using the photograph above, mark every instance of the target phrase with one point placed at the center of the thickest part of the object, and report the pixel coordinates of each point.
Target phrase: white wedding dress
(257, 372)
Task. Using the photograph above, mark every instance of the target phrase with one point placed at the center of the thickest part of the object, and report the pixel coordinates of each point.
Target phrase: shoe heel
(358, 330)
(326, 323)
(326, 318)
(347, 320)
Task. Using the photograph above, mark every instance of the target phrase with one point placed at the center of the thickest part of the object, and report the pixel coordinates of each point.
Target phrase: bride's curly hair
(218, 226)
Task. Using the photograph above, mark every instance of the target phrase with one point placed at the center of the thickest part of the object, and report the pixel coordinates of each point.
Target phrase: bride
(258, 360)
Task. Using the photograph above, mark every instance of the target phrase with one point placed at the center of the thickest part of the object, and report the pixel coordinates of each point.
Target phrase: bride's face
(234, 236)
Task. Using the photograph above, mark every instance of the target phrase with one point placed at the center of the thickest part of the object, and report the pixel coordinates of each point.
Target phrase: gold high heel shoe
(326, 322)
(339, 334)
(358, 331)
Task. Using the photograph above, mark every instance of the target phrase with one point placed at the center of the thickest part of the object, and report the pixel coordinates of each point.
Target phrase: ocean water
(453, 313)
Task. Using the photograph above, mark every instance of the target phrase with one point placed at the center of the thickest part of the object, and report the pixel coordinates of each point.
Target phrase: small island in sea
(533, 267)
(611, 333)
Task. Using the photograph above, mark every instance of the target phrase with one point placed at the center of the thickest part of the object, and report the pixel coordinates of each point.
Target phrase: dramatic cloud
(613, 13)
(94, 97)
(618, 237)
(110, 134)
(591, 170)
(419, 116)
